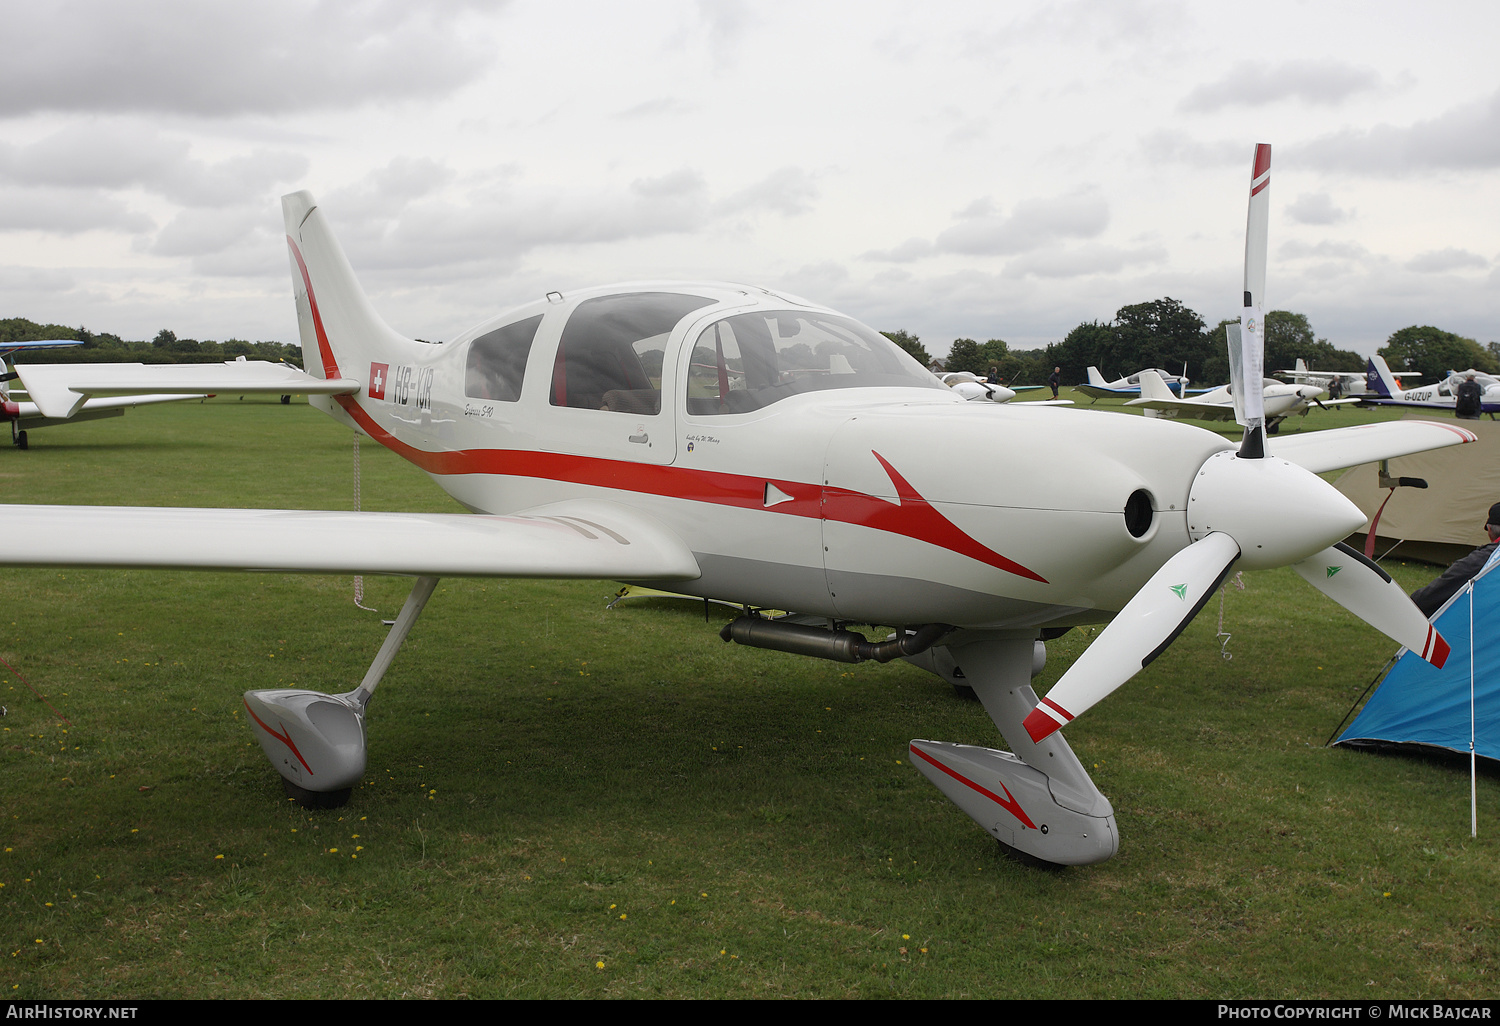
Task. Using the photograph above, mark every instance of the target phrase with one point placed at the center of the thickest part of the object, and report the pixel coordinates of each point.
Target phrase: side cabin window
(612, 349)
(497, 361)
(752, 360)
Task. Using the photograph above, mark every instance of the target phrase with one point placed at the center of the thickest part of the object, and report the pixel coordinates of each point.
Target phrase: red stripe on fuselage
(913, 517)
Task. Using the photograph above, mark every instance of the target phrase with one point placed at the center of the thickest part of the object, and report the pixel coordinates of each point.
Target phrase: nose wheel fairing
(317, 741)
(1036, 798)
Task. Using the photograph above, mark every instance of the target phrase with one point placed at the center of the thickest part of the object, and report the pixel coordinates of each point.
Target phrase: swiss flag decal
(378, 374)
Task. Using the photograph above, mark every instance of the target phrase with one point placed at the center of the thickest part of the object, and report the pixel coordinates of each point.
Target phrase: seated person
(1431, 598)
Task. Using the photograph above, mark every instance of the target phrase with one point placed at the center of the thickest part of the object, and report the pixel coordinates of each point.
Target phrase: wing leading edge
(575, 538)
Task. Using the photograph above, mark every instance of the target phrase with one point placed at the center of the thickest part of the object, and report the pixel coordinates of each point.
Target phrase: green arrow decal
(1180, 590)
(1333, 570)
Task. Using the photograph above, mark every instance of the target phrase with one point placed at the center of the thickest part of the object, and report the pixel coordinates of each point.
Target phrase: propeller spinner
(1244, 507)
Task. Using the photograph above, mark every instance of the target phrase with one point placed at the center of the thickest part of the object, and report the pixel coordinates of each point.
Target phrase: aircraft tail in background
(1381, 381)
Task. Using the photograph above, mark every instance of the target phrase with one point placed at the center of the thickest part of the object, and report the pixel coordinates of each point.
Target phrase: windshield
(752, 360)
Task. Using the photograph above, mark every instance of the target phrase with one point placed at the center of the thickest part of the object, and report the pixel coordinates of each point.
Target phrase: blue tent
(1417, 704)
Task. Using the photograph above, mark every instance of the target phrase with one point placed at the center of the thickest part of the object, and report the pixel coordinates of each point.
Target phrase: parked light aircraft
(973, 387)
(1129, 385)
(24, 414)
(980, 389)
(1387, 391)
(1349, 381)
(731, 442)
(1280, 401)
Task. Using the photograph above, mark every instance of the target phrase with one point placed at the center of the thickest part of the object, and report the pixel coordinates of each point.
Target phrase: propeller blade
(1138, 634)
(1360, 586)
(1252, 317)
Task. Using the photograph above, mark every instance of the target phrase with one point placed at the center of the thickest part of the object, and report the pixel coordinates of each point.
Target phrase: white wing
(60, 389)
(574, 538)
(1336, 448)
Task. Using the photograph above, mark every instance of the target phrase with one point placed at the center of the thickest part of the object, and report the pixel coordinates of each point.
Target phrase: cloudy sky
(985, 169)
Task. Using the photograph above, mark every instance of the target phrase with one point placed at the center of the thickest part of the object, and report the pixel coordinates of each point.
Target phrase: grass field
(568, 801)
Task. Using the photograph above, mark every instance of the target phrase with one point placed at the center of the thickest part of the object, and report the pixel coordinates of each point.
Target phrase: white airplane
(975, 388)
(1279, 400)
(1129, 385)
(25, 415)
(1350, 381)
(1387, 391)
(729, 442)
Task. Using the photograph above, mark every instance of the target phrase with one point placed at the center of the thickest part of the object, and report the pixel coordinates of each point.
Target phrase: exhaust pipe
(842, 646)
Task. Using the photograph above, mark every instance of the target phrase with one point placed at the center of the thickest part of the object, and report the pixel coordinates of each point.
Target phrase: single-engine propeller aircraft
(1387, 391)
(1349, 381)
(734, 442)
(980, 389)
(1279, 400)
(1130, 385)
(25, 414)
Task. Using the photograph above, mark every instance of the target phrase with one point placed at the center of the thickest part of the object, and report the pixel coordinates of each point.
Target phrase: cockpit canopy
(612, 355)
(751, 360)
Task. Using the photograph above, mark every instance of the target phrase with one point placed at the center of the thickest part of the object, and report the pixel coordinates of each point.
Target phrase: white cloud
(788, 191)
(1463, 138)
(912, 249)
(66, 211)
(117, 155)
(1450, 259)
(1058, 262)
(214, 60)
(198, 232)
(1032, 224)
(1316, 208)
(1294, 249)
(1320, 82)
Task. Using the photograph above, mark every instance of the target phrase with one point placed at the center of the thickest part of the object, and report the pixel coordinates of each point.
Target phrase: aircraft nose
(1276, 511)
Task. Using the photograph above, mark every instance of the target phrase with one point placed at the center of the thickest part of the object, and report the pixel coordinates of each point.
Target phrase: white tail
(342, 335)
(1392, 387)
(1154, 386)
(1095, 378)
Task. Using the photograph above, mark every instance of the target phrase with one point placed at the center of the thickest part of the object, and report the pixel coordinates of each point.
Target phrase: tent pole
(1473, 771)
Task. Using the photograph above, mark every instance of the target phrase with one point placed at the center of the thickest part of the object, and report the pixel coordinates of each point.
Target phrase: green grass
(553, 786)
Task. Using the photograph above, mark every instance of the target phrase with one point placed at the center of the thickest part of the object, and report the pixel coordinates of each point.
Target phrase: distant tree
(911, 343)
(1289, 337)
(1433, 352)
(1162, 333)
(19, 329)
(1092, 343)
(965, 355)
(165, 339)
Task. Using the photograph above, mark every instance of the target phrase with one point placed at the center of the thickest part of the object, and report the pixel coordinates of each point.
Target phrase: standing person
(1431, 598)
(1054, 379)
(1467, 403)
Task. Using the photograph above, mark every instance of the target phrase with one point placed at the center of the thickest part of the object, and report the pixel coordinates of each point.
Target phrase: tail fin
(342, 335)
(1095, 378)
(1380, 379)
(1154, 386)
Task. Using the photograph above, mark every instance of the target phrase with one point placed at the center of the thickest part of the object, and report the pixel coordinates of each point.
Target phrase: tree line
(166, 347)
(1165, 333)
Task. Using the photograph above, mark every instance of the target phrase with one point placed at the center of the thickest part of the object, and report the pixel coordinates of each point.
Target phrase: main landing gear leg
(317, 741)
(1036, 799)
